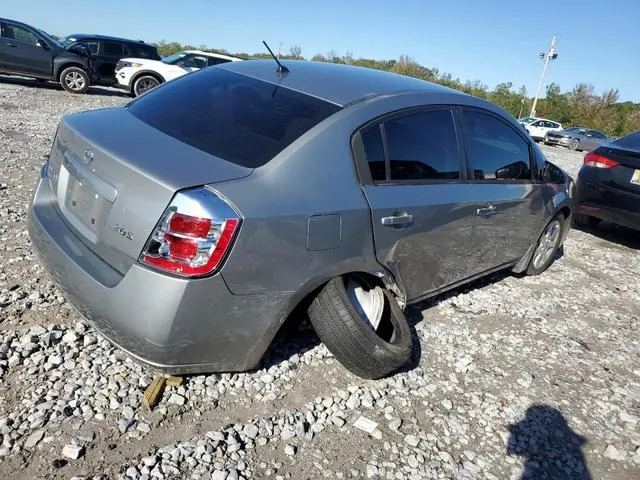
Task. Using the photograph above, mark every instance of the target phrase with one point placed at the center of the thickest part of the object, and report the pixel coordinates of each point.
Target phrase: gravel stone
(33, 439)
(176, 399)
(73, 451)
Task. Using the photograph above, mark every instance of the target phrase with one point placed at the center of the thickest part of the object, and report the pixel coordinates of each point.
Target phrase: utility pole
(551, 55)
(521, 107)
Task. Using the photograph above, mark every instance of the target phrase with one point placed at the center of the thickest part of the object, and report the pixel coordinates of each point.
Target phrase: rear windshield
(235, 117)
(630, 141)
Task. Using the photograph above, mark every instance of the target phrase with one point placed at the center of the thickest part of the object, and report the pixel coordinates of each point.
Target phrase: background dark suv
(107, 51)
(30, 52)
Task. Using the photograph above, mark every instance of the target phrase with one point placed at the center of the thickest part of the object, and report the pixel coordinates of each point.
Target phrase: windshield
(575, 130)
(50, 39)
(527, 120)
(171, 59)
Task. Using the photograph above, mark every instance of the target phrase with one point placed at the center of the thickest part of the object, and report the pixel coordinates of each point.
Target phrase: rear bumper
(173, 324)
(597, 199)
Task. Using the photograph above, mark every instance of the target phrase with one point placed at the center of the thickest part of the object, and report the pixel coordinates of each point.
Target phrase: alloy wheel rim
(75, 81)
(368, 303)
(546, 244)
(146, 84)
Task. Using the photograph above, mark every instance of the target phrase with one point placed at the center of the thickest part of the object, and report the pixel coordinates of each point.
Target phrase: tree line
(581, 106)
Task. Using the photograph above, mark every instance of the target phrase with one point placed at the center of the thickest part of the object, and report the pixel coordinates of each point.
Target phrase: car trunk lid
(626, 175)
(114, 175)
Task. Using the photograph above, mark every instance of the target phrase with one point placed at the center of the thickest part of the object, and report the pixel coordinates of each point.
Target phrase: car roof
(212, 54)
(335, 83)
(85, 36)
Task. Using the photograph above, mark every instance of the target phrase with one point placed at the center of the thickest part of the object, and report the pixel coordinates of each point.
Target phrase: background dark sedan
(576, 138)
(608, 185)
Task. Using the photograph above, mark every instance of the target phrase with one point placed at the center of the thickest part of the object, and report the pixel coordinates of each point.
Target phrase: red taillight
(188, 225)
(193, 235)
(593, 159)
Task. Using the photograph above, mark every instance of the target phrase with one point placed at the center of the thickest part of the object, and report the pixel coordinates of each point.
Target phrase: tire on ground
(352, 341)
(533, 270)
(139, 87)
(74, 80)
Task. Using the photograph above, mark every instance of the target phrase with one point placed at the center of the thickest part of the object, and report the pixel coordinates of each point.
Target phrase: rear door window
(112, 49)
(235, 117)
(420, 146)
(423, 146)
(495, 151)
(374, 152)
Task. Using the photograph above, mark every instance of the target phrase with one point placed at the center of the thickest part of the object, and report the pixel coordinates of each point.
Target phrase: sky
(492, 41)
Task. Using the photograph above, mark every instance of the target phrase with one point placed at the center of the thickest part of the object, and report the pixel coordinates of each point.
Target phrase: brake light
(593, 159)
(193, 235)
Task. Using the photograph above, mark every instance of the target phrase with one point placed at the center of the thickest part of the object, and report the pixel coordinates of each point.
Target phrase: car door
(420, 207)
(596, 139)
(21, 50)
(105, 63)
(499, 162)
(536, 129)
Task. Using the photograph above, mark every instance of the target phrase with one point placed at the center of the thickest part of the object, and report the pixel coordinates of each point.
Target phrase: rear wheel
(74, 80)
(547, 246)
(574, 144)
(362, 325)
(144, 84)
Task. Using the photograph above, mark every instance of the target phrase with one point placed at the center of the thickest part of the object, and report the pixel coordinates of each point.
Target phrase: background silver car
(188, 225)
(576, 138)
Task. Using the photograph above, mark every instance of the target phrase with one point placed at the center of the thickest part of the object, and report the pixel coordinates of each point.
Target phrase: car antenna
(281, 68)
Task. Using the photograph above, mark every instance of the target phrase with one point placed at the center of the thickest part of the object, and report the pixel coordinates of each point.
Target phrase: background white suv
(137, 75)
(538, 127)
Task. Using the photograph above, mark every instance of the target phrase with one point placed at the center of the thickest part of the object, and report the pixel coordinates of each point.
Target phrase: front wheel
(574, 144)
(74, 80)
(144, 84)
(547, 246)
(362, 325)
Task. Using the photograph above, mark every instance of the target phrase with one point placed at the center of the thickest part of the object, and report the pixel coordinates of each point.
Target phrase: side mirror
(512, 171)
(43, 45)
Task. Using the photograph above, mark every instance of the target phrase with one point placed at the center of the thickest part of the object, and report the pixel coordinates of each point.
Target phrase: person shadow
(550, 448)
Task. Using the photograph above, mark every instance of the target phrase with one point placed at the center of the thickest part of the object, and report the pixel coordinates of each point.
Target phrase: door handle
(487, 211)
(403, 220)
(12, 45)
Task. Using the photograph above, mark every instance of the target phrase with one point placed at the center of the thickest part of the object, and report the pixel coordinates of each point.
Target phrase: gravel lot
(511, 376)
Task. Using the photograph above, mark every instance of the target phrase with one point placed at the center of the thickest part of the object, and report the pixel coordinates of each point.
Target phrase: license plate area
(85, 204)
(635, 178)
(81, 199)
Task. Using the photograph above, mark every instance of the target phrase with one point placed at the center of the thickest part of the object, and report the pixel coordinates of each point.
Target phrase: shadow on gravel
(550, 448)
(613, 233)
(43, 84)
(295, 336)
